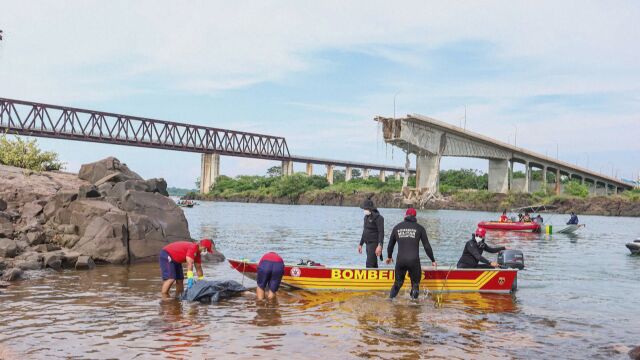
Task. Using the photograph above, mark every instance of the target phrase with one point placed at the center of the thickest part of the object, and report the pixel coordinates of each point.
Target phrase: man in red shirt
(174, 255)
(270, 272)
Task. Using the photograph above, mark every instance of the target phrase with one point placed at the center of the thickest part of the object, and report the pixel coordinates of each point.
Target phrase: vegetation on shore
(26, 154)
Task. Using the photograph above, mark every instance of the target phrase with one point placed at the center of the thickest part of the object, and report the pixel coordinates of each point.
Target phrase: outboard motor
(511, 259)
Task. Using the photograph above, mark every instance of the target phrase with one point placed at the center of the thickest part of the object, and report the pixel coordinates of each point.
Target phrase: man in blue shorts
(270, 272)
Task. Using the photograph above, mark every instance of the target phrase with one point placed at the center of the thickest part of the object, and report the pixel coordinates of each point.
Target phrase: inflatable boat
(338, 278)
(510, 226)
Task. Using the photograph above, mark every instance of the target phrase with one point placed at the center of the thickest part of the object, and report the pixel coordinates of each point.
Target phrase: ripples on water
(578, 297)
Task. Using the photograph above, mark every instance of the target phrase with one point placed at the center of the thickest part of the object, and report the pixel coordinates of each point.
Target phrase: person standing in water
(270, 272)
(372, 233)
(174, 255)
(408, 234)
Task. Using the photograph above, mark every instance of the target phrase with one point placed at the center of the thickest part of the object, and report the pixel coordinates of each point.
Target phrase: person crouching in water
(408, 234)
(472, 255)
(174, 255)
(372, 233)
(270, 272)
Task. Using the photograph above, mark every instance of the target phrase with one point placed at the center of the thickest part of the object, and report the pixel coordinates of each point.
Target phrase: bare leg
(179, 287)
(271, 295)
(166, 287)
(259, 293)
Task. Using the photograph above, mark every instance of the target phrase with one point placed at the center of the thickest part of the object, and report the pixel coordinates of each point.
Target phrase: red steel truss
(61, 122)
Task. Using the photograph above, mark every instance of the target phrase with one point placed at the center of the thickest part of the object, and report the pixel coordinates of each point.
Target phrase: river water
(578, 297)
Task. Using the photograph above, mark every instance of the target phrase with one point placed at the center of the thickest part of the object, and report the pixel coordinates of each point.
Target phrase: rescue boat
(509, 226)
(369, 279)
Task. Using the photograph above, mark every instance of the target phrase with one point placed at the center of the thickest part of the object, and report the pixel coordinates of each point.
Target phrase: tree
(26, 154)
(356, 173)
(274, 171)
(574, 188)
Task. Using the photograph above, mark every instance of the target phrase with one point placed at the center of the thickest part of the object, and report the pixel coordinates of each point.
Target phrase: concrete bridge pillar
(511, 187)
(527, 178)
(557, 181)
(544, 179)
(330, 174)
(428, 172)
(499, 176)
(365, 173)
(287, 168)
(397, 175)
(382, 176)
(309, 169)
(348, 173)
(209, 171)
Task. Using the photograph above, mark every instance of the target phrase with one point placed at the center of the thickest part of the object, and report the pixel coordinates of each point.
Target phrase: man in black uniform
(372, 234)
(408, 234)
(472, 255)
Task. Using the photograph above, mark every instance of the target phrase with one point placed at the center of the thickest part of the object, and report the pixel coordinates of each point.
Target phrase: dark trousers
(372, 259)
(415, 274)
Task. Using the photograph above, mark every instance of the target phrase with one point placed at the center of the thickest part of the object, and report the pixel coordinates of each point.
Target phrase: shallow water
(577, 298)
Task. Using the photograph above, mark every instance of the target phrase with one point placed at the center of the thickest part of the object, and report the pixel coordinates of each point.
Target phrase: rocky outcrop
(105, 214)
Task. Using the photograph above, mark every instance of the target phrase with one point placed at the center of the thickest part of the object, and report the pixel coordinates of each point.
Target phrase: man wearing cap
(408, 234)
(174, 255)
(472, 255)
(372, 233)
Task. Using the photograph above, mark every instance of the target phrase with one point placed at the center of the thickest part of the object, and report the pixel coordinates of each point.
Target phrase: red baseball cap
(481, 232)
(207, 243)
(410, 212)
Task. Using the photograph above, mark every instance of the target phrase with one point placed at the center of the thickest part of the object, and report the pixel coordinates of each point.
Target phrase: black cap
(367, 204)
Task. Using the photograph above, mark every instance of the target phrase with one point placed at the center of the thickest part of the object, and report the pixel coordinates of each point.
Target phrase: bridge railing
(36, 119)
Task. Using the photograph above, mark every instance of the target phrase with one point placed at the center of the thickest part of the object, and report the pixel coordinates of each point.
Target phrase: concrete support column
(309, 169)
(511, 187)
(582, 180)
(544, 179)
(557, 181)
(499, 176)
(615, 190)
(209, 171)
(348, 173)
(382, 177)
(287, 168)
(397, 175)
(330, 174)
(527, 178)
(428, 172)
(365, 173)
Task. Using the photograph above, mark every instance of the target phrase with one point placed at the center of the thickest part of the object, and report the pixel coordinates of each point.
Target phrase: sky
(557, 77)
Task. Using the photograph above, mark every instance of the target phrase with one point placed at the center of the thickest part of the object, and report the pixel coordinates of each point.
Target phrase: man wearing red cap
(472, 255)
(174, 255)
(408, 234)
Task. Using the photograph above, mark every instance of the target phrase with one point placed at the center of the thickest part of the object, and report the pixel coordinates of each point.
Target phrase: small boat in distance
(339, 278)
(186, 203)
(510, 226)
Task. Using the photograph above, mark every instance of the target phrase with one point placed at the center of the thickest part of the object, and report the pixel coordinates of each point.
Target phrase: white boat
(634, 246)
(569, 229)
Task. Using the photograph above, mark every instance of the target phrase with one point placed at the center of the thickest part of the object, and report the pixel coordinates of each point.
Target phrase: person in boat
(372, 233)
(472, 255)
(177, 253)
(270, 272)
(538, 219)
(526, 217)
(520, 217)
(504, 218)
(573, 220)
(408, 234)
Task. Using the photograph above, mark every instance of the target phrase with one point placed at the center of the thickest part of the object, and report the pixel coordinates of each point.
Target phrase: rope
(439, 297)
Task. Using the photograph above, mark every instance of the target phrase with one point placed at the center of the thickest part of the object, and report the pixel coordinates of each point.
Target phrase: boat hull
(634, 247)
(362, 279)
(509, 226)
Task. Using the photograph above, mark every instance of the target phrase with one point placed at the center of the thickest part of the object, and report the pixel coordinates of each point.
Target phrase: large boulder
(158, 185)
(12, 274)
(109, 167)
(154, 221)
(84, 263)
(31, 210)
(8, 248)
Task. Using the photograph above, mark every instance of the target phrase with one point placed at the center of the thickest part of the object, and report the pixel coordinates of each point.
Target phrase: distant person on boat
(520, 217)
(408, 234)
(526, 217)
(174, 255)
(372, 233)
(538, 220)
(573, 220)
(472, 255)
(504, 218)
(270, 272)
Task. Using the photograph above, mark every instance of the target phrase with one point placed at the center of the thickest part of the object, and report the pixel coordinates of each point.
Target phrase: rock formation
(105, 214)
